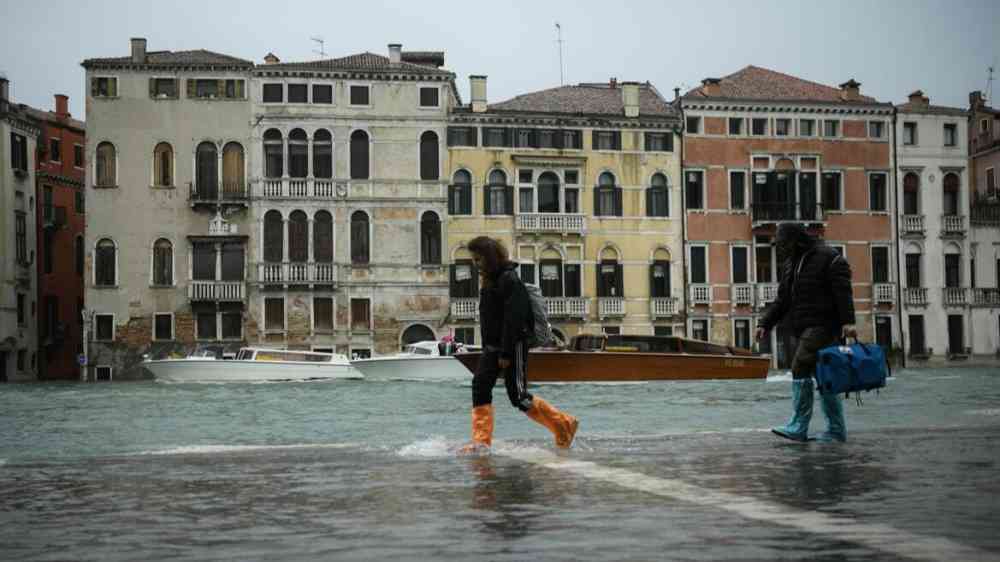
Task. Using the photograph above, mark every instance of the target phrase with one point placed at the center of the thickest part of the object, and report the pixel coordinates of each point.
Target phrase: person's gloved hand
(850, 331)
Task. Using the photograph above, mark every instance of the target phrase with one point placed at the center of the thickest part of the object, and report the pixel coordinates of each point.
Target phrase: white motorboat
(421, 361)
(253, 364)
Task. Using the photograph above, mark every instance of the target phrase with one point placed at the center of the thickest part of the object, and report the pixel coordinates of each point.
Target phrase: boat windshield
(207, 352)
(417, 350)
(303, 356)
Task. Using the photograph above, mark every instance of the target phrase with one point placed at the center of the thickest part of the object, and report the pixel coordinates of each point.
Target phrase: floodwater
(364, 470)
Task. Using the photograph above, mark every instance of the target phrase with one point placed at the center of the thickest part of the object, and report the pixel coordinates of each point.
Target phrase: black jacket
(815, 290)
(504, 311)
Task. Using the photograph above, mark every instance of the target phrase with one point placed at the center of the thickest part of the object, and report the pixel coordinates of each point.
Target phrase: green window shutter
(190, 88)
(113, 87)
(239, 89)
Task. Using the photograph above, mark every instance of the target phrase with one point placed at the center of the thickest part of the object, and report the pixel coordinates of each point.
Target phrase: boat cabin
(283, 356)
(650, 344)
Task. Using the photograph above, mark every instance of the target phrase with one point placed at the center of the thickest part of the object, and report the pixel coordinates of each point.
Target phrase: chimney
(4, 88)
(269, 58)
(62, 106)
(395, 53)
(138, 50)
(677, 94)
(477, 93)
(976, 99)
(919, 99)
(850, 90)
(630, 98)
(711, 87)
(613, 82)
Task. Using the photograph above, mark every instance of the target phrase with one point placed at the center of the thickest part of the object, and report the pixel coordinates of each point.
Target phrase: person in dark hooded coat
(815, 303)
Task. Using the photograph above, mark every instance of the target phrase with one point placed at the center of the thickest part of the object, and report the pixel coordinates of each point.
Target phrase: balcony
(296, 273)
(915, 296)
(913, 224)
(299, 188)
(743, 295)
(983, 141)
(465, 308)
(985, 214)
(763, 214)
(232, 193)
(662, 307)
(610, 306)
(955, 296)
(53, 217)
(986, 297)
(701, 293)
(567, 307)
(884, 293)
(766, 294)
(952, 225)
(217, 291)
(560, 223)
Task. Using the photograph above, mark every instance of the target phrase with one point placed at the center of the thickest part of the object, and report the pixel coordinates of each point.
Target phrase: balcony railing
(771, 213)
(311, 273)
(952, 224)
(766, 294)
(985, 214)
(296, 188)
(885, 293)
(915, 296)
(567, 307)
(218, 291)
(552, 222)
(743, 295)
(913, 224)
(701, 293)
(662, 307)
(235, 192)
(986, 297)
(955, 296)
(465, 308)
(54, 216)
(611, 306)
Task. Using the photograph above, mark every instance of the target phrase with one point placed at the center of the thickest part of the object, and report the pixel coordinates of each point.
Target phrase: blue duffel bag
(850, 368)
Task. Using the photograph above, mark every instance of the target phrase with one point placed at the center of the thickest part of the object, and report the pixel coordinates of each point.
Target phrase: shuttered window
(610, 279)
(233, 171)
(203, 262)
(464, 282)
(107, 165)
(460, 194)
(232, 261)
(163, 164)
(274, 314)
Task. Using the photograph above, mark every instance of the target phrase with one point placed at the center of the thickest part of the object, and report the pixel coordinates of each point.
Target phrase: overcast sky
(891, 47)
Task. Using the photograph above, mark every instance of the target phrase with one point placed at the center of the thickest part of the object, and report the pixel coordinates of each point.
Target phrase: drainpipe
(684, 228)
(896, 236)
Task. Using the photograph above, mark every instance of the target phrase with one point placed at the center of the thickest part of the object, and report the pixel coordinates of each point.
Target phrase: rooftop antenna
(559, 40)
(321, 52)
(989, 86)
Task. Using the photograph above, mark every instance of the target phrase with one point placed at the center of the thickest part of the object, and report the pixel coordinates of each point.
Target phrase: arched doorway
(417, 333)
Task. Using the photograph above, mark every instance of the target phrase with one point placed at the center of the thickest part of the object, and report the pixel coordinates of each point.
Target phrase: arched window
(274, 226)
(233, 171)
(163, 165)
(460, 194)
(499, 197)
(163, 262)
(298, 237)
(107, 165)
(430, 238)
(207, 180)
(659, 277)
(657, 197)
(610, 275)
(548, 193)
(606, 179)
(360, 252)
(951, 194)
(274, 154)
(911, 194)
(359, 155)
(607, 197)
(322, 154)
(78, 253)
(429, 161)
(418, 333)
(298, 154)
(105, 263)
(323, 237)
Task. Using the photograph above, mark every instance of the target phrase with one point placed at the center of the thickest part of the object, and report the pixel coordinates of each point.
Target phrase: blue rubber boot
(833, 409)
(797, 428)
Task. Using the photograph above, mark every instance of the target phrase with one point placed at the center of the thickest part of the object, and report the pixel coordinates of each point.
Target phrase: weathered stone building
(984, 232)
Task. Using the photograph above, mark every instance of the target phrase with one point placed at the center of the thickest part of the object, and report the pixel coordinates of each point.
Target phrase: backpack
(541, 333)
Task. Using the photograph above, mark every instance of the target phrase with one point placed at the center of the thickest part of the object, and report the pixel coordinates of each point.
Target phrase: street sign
(81, 360)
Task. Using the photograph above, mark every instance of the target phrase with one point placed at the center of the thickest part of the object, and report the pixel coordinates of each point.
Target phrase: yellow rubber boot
(482, 430)
(563, 426)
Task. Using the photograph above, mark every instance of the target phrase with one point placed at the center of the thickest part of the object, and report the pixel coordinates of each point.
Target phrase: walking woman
(505, 321)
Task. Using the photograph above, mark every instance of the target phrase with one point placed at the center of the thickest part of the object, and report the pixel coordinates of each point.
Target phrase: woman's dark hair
(492, 251)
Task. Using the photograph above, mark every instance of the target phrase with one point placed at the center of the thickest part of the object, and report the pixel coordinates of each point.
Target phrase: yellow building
(581, 183)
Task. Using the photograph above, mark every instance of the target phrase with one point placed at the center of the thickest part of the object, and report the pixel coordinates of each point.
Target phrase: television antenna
(321, 52)
(559, 41)
(989, 85)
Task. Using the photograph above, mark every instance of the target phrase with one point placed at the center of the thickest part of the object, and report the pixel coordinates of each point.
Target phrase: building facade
(166, 244)
(581, 185)
(349, 201)
(762, 148)
(19, 135)
(984, 232)
(60, 218)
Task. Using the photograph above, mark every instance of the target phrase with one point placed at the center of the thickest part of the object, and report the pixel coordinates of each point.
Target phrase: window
(984, 125)
(698, 269)
(526, 271)
(104, 327)
(464, 282)
(77, 156)
(360, 95)
(322, 314)
(298, 237)
(460, 194)
(659, 142)
(274, 153)
(359, 238)
(499, 197)
(203, 88)
(764, 261)
(991, 182)
(610, 279)
(952, 270)
(274, 227)
(103, 87)
(611, 330)
(163, 88)
(699, 329)
(361, 315)
(741, 264)
(909, 134)
(663, 330)
(493, 136)
(735, 126)
(607, 197)
(298, 93)
(956, 337)
(572, 280)
(913, 270)
(782, 127)
(911, 194)
(607, 140)
(21, 316)
(78, 201)
(107, 165)
(551, 277)
(323, 237)
(207, 171)
(830, 128)
(548, 193)
(232, 259)
(206, 325)
(18, 152)
(232, 324)
(807, 127)
(950, 134)
(918, 344)
(878, 198)
(741, 333)
(234, 89)
(430, 239)
(737, 190)
(659, 279)
(163, 165)
(831, 191)
(203, 262)
(298, 154)
(574, 139)
(163, 327)
(21, 237)
(951, 194)
(105, 263)
(322, 93)
(273, 93)
(876, 129)
(78, 254)
(163, 263)
(274, 314)
(462, 136)
(322, 160)
(657, 197)
(429, 97)
(359, 155)
(466, 336)
(233, 171)
(693, 125)
(545, 138)
(429, 161)
(758, 126)
(880, 264)
(55, 150)
(694, 189)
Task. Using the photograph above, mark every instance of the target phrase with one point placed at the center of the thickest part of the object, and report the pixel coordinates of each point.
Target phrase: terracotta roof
(588, 99)
(50, 116)
(756, 83)
(198, 57)
(369, 62)
(910, 107)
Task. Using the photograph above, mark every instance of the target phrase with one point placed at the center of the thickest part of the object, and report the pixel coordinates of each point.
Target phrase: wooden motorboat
(252, 364)
(627, 358)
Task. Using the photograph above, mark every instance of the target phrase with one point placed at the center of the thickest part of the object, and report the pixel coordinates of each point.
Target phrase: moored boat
(253, 364)
(420, 361)
(628, 358)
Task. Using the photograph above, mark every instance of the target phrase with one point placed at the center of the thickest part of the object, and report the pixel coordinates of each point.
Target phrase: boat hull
(607, 366)
(209, 370)
(414, 368)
